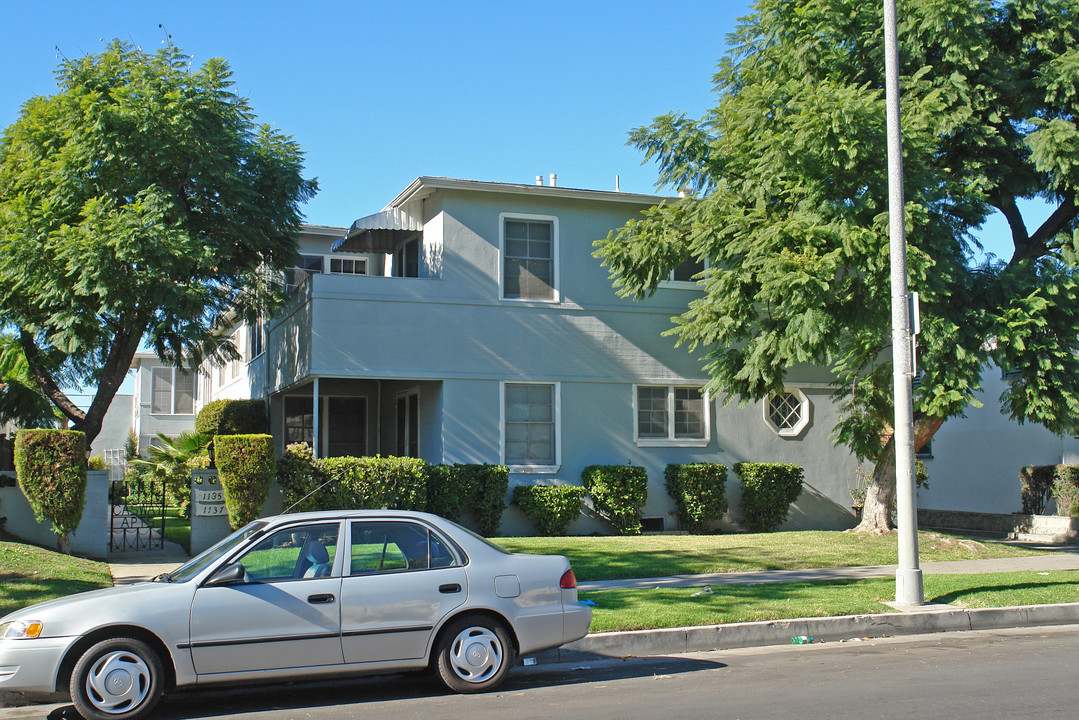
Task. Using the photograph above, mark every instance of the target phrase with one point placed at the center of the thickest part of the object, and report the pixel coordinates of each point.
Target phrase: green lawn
(684, 607)
(30, 574)
(613, 558)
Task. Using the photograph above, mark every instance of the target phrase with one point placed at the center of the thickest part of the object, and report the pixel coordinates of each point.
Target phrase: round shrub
(245, 466)
(50, 466)
(551, 508)
(232, 417)
(618, 493)
(699, 492)
(768, 489)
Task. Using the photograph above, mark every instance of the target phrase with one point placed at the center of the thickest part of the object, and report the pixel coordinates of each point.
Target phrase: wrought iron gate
(137, 520)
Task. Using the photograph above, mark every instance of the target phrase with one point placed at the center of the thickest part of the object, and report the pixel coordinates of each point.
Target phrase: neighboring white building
(974, 461)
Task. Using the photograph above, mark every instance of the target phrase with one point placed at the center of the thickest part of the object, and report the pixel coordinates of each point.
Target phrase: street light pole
(908, 576)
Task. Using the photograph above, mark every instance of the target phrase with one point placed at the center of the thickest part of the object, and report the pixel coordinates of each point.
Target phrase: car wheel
(117, 679)
(475, 655)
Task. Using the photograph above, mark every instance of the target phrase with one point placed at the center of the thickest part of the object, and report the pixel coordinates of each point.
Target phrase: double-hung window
(172, 392)
(529, 249)
(530, 426)
(671, 415)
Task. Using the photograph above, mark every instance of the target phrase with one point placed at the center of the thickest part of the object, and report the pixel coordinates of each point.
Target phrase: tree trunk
(877, 510)
(880, 495)
(63, 543)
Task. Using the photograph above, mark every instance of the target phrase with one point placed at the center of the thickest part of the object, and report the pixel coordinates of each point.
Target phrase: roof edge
(442, 183)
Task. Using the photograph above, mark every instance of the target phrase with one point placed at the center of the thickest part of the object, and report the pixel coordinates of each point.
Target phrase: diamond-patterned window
(787, 413)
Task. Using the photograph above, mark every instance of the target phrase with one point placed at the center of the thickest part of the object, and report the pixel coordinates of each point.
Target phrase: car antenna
(328, 481)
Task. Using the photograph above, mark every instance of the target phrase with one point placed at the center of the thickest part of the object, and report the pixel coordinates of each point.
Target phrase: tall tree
(142, 203)
(786, 201)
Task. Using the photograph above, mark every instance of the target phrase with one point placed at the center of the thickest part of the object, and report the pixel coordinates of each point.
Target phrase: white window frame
(256, 339)
(527, 217)
(670, 282)
(172, 392)
(671, 440)
(531, 469)
(355, 259)
(803, 419)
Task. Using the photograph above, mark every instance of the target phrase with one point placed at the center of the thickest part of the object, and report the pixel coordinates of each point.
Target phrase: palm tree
(171, 461)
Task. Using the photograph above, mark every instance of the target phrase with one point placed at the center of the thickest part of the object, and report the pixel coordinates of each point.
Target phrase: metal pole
(908, 577)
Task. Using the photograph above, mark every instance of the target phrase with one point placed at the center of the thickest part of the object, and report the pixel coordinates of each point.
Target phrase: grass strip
(614, 558)
(31, 574)
(641, 609)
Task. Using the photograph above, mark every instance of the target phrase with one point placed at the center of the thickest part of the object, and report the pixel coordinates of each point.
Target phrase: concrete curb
(642, 643)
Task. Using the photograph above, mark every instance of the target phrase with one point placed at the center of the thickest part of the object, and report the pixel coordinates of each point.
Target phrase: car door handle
(449, 588)
(323, 598)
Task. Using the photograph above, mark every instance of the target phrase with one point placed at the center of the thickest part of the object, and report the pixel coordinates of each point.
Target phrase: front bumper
(31, 665)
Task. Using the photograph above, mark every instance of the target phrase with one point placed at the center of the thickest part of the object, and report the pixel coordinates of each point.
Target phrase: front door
(287, 615)
(404, 579)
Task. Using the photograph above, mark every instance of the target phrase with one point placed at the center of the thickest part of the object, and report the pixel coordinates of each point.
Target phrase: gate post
(209, 517)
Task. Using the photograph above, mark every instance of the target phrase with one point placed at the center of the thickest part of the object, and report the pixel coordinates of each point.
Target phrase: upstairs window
(172, 392)
(348, 266)
(305, 265)
(528, 258)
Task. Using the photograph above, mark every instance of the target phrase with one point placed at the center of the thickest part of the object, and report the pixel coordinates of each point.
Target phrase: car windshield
(198, 563)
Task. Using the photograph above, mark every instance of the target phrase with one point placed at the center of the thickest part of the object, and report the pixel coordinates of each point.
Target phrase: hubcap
(476, 654)
(117, 682)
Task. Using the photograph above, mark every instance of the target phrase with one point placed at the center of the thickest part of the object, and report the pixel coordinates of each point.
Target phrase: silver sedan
(300, 596)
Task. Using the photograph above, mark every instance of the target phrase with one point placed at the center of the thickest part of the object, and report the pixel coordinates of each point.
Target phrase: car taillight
(568, 581)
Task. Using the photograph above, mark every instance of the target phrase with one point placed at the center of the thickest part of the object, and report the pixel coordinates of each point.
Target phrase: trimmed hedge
(299, 478)
(551, 508)
(618, 494)
(1066, 490)
(1036, 483)
(479, 489)
(51, 469)
(768, 489)
(395, 483)
(245, 467)
(699, 492)
(232, 417)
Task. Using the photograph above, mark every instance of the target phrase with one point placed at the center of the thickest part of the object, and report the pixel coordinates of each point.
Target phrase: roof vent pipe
(554, 180)
(539, 179)
(617, 187)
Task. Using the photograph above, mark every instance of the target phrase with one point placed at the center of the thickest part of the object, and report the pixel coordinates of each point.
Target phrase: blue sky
(380, 93)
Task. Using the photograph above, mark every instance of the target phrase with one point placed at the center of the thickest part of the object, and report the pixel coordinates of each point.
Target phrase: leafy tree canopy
(142, 203)
(786, 201)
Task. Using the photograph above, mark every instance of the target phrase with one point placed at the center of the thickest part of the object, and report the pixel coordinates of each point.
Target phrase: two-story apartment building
(469, 322)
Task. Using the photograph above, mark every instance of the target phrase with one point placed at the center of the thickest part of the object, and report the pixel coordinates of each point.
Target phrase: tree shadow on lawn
(16, 591)
(958, 595)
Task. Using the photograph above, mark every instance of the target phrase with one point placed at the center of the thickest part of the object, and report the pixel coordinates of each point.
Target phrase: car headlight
(20, 630)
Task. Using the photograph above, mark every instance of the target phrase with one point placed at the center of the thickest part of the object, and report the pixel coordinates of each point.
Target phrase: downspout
(378, 416)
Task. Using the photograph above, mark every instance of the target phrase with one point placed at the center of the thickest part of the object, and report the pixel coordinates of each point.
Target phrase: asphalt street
(984, 675)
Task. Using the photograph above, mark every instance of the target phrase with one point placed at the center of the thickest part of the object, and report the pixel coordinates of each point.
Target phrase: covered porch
(339, 417)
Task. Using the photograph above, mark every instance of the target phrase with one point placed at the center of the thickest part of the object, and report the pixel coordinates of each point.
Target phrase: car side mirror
(231, 574)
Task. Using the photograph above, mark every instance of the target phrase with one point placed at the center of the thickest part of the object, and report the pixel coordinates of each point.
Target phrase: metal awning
(378, 233)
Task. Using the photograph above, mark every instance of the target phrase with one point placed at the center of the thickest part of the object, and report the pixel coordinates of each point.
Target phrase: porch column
(314, 425)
